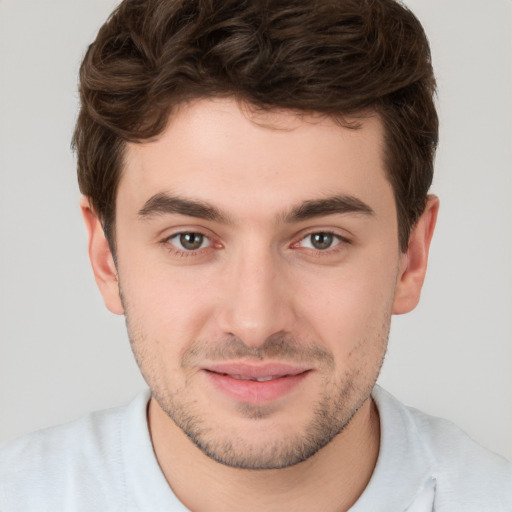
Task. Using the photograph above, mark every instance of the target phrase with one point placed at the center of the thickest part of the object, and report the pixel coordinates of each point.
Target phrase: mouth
(256, 384)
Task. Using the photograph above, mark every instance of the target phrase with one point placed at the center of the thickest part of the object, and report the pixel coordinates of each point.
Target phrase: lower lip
(254, 392)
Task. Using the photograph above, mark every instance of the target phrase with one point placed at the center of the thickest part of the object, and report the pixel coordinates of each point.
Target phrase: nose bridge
(255, 305)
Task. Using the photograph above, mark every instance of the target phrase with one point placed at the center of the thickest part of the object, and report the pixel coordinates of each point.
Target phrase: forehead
(243, 160)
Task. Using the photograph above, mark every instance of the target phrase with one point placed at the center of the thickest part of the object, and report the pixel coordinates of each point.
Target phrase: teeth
(255, 379)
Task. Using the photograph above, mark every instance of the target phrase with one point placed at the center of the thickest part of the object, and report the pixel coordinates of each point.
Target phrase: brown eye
(189, 241)
(320, 241)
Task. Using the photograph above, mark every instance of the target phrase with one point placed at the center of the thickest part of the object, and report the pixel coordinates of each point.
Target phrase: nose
(256, 300)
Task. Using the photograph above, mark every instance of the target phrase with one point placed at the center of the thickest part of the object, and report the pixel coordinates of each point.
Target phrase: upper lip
(255, 370)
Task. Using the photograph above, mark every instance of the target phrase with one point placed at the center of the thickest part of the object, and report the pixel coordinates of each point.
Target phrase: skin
(260, 289)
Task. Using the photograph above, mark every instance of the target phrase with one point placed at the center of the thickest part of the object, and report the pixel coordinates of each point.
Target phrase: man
(255, 180)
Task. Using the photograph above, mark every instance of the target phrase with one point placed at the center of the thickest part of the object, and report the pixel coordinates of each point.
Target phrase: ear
(413, 264)
(102, 261)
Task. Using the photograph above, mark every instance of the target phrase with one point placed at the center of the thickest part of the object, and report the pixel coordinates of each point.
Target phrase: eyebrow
(339, 204)
(162, 204)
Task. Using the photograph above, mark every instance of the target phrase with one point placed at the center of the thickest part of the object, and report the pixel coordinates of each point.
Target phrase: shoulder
(467, 476)
(463, 469)
(64, 442)
(48, 468)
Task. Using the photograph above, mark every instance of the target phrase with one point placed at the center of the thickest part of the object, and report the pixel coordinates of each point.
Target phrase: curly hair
(335, 57)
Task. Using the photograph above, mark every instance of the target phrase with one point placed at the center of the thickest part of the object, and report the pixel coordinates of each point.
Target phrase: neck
(331, 480)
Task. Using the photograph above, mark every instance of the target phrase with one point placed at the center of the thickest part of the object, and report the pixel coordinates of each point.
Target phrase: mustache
(281, 345)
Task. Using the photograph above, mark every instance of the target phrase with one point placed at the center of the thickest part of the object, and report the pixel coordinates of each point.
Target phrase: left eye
(320, 241)
(190, 241)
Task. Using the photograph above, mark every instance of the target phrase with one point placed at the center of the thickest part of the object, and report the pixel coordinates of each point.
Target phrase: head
(255, 178)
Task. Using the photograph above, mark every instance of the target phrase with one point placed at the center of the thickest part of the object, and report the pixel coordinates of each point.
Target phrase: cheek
(350, 306)
(163, 317)
(165, 307)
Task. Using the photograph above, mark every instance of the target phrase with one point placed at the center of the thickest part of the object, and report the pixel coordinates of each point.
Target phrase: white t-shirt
(105, 462)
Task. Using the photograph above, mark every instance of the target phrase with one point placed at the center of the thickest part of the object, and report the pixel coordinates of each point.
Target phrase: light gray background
(62, 354)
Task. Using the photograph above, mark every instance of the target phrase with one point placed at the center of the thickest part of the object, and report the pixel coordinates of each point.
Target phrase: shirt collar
(403, 477)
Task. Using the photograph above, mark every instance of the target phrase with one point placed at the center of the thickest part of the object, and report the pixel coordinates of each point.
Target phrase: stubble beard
(334, 410)
(327, 422)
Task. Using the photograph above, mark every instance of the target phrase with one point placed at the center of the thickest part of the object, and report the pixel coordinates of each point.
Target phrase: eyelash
(341, 242)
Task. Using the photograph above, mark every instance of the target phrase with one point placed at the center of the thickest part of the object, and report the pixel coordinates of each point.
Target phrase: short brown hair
(336, 57)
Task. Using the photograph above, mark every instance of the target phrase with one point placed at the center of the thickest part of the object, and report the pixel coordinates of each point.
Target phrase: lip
(238, 380)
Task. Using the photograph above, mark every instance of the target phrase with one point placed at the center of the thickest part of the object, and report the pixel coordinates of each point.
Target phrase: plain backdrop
(63, 354)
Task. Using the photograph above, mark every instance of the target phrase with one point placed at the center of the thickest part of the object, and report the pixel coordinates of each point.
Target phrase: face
(258, 261)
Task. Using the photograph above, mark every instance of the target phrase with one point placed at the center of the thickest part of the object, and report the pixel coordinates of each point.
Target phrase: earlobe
(102, 261)
(414, 261)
